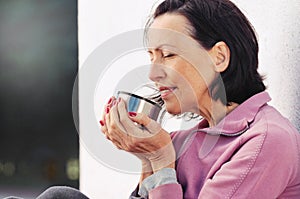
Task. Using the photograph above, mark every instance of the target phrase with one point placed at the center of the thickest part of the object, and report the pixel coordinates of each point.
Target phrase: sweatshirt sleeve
(162, 184)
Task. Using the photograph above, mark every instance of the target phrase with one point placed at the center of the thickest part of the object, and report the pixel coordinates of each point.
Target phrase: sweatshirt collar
(239, 119)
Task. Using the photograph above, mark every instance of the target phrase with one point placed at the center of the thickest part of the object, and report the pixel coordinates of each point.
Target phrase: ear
(220, 54)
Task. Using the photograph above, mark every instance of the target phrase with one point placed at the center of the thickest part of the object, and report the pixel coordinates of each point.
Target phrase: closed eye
(169, 55)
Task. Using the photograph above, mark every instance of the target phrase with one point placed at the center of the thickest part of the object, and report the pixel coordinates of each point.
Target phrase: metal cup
(136, 103)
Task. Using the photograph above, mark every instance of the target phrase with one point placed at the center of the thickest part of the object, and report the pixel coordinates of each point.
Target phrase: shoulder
(273, 123)
(276, 134)
(272, 141)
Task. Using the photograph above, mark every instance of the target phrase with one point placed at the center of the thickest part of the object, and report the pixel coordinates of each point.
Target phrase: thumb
(152, 126)
(139, 118)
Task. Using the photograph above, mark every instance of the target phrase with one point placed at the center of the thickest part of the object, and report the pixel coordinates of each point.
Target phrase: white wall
(276, 22)
(98, 22)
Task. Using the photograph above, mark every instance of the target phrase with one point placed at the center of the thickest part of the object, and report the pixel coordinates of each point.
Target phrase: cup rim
(140, 97)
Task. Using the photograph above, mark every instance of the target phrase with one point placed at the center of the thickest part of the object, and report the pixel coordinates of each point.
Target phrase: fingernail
(109, 101)
(119, 99)
(132, 114)
(101, 122)
(107, 110)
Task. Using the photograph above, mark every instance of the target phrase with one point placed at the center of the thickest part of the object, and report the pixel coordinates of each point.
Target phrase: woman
(204, 56)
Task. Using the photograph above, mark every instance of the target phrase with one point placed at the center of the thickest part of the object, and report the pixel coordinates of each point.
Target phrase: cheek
(192, 80)
(192, 89)
(199, 80)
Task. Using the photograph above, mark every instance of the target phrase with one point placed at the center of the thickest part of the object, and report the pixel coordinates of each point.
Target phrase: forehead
(171, 21)
(168, 30)
(173, 32)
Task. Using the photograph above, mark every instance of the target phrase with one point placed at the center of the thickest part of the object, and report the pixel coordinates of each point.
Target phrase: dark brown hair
(220, 20)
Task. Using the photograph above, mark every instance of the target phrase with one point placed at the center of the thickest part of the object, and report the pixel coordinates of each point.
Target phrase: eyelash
(163, 56)
(168, 55)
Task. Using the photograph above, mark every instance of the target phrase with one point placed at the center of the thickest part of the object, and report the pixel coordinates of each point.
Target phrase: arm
(151, 144)
(162, 179)
(261, 168)
(153, 180)
(162, 184)
(146, 171)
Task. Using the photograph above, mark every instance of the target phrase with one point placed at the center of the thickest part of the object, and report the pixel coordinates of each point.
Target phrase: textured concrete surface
(277, 24)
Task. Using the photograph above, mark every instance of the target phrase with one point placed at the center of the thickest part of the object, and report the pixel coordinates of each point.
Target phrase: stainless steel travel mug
(136, 103)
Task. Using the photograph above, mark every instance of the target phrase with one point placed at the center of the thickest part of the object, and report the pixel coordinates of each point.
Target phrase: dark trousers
(59, 192)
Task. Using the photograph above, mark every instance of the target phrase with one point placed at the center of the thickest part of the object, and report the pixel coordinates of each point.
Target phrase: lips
(165, 91)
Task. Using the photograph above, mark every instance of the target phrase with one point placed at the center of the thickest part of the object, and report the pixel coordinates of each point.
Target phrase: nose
(157, 72)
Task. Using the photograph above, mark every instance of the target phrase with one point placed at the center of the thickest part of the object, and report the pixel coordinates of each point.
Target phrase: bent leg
(62, 192)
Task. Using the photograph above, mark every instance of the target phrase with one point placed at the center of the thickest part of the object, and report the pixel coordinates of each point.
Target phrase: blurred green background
(38, 66)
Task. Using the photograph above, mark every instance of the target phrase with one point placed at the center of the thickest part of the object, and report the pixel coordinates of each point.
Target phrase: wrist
(163, 158)
(146, 166)
(156, 166)
(146, 170)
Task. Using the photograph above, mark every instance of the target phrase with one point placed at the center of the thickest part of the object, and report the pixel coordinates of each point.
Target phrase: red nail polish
(107, 109)
(132, 114)
(119, 99)
(101, 122)
(109, 101)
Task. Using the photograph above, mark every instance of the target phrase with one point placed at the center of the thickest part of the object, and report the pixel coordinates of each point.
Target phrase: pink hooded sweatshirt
(254, 152)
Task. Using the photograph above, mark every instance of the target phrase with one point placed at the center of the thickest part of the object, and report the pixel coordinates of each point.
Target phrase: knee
(58, 192)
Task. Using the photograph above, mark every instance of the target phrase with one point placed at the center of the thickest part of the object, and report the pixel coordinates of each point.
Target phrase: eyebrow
(161, 46)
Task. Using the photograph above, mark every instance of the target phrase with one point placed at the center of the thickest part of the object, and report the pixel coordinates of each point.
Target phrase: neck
(215, 111)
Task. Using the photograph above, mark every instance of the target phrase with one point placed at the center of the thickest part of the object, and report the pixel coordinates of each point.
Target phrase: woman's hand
(139, 135)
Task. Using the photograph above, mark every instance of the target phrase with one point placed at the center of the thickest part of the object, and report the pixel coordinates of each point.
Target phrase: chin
(173, 110)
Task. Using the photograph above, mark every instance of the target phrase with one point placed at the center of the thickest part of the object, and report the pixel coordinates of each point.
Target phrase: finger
(109, 100)
(132, 128)
(139, 118)
(116, 143)
(110, 133)
(124, 119)
(107, 122)
(103, 129)
(108, 106)
(106, 110)
(116, 131)
(115, 119)
(119, 146)
(107, 137)
(152, 126)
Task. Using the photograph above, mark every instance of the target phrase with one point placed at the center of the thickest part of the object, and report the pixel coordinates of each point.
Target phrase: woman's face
(181, 68)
